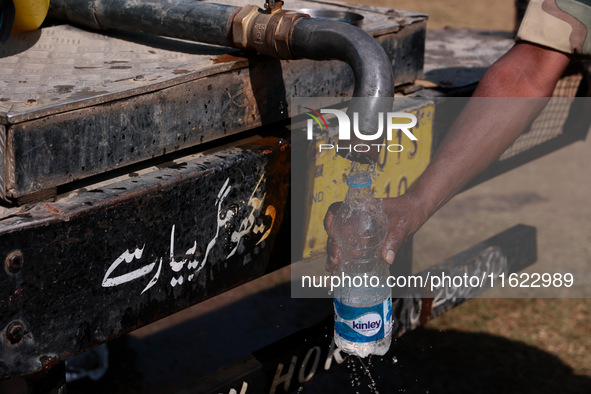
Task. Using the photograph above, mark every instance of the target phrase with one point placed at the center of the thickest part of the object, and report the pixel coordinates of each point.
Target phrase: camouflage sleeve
(564, 25)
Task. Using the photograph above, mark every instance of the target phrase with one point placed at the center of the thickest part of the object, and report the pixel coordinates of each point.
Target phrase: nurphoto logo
(392, 120)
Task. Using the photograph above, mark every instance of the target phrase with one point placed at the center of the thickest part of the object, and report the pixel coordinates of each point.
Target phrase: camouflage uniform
(564, 25)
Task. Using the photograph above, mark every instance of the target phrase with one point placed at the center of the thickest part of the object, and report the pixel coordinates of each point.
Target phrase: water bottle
(362, 304)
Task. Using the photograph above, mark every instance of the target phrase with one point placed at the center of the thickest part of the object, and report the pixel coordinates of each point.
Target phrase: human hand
(405, 217)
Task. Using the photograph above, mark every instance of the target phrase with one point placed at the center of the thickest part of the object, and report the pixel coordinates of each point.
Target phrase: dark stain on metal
(51, 208)
(119, 67)
(172, 164)
(63, 88)
(167, 164)
(85, 93)
(427, 306)
(227, 58)
(48, 362)
(14, 261)
(177, 72)
(15, 332)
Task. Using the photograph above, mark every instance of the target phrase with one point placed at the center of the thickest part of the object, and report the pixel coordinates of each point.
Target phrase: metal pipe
(320, 39)
(185, 19)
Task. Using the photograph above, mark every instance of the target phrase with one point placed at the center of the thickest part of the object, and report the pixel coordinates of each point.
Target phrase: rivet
(15, 332)
(14, 261)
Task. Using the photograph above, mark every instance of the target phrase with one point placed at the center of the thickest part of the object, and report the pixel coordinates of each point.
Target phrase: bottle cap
(359, 179)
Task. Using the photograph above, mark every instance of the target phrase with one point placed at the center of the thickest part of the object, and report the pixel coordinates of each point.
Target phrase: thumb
(391, 246)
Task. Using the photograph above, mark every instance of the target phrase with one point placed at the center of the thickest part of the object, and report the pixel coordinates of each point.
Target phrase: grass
(557, 326)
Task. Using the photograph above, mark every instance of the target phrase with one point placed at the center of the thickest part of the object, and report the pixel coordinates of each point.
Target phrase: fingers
(333, 252)
(333, 255)
(329, 217)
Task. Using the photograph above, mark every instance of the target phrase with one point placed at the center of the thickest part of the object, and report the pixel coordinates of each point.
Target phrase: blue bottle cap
(359, 179)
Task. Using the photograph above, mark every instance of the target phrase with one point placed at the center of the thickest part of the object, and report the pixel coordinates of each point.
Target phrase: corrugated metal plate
(61, 68)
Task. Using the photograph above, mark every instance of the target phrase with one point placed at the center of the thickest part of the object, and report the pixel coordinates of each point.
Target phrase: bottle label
(362, 325)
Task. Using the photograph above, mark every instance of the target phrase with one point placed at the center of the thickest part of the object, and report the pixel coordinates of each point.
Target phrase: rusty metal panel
(62, 68)
(407, 52)
(59, 149)
(100, 262)
(2, 162)
(78, 103)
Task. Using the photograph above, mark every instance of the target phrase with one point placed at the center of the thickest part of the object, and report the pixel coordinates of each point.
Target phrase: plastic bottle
(363, 308)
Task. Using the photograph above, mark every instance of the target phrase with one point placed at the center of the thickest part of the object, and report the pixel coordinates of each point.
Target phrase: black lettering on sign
(402, 185)
(318, 197)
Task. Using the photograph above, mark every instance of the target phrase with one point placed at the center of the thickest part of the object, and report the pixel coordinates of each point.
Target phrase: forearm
(490, 122)
(481, 133)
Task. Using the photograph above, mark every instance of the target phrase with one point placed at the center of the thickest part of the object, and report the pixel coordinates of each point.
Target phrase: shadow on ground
(430, 361)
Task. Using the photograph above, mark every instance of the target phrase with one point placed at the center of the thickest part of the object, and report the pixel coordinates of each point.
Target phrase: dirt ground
(479, 14)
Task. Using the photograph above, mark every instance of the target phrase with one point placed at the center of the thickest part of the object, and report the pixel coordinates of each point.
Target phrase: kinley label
(363, 324)
(344, 127)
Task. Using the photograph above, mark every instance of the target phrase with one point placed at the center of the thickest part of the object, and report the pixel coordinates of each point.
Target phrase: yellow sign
(395, 173)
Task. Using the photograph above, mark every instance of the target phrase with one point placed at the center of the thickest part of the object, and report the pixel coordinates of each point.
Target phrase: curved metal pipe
(320, 39)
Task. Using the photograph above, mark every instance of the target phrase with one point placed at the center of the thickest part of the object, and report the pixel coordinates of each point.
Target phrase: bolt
(14, 261)
(15, 332)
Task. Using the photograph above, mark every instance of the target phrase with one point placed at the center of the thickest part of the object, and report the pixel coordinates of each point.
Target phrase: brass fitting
(265, 32)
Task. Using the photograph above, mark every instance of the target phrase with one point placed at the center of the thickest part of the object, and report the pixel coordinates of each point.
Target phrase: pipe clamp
(266, 33)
